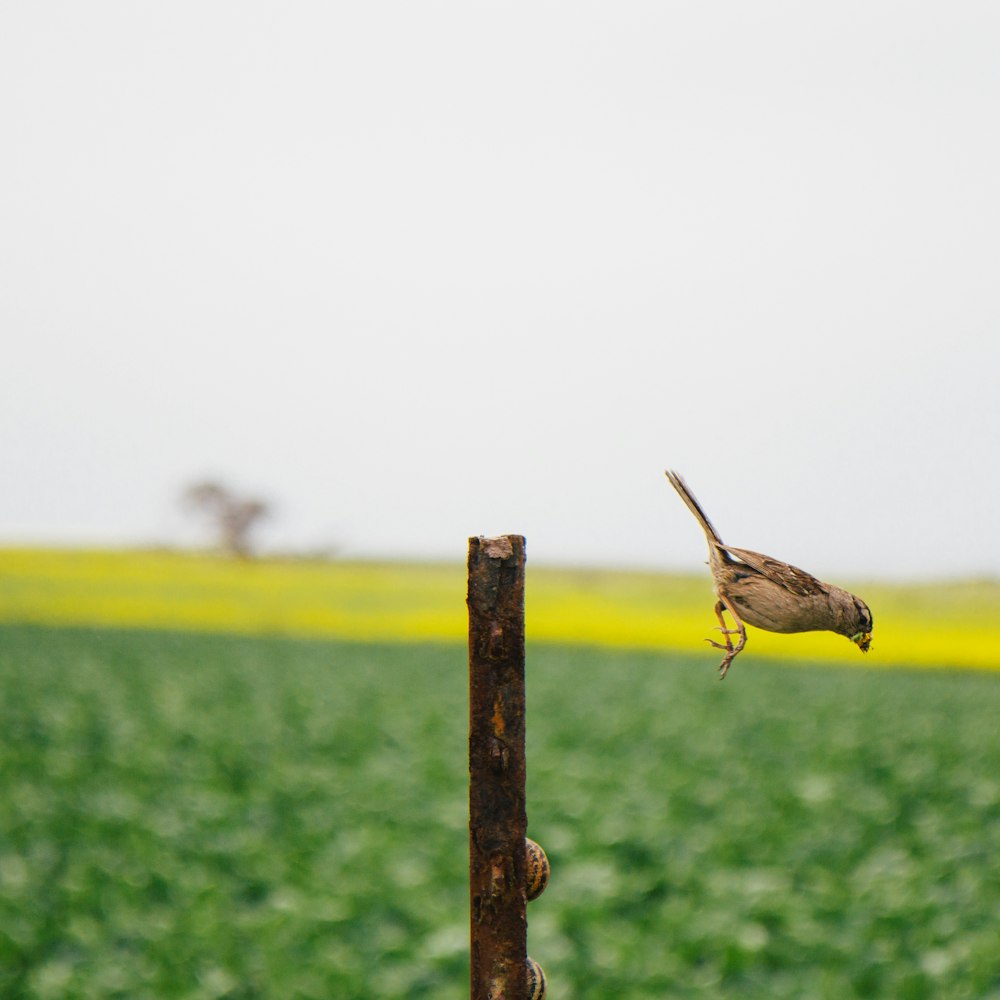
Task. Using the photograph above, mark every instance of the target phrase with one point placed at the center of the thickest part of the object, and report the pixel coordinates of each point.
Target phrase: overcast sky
(416, 271)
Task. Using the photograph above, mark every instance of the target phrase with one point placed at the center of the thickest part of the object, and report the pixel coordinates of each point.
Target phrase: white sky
(416, 271)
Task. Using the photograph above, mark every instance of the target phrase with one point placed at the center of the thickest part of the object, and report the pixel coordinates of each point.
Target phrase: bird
(770, 594)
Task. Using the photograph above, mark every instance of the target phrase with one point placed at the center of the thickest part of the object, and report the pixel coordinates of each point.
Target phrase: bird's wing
(794, 580)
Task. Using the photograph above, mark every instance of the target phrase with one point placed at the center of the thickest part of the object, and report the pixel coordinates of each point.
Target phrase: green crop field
(208, 816)
(215, 784)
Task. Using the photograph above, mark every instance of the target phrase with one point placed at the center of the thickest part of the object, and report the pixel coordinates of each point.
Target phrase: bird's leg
(723, 605)
(720, 609)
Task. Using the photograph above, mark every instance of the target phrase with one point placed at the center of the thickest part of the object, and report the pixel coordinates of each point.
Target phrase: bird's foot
(729, 649)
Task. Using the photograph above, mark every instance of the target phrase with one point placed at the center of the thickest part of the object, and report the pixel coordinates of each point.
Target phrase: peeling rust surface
(497, 815)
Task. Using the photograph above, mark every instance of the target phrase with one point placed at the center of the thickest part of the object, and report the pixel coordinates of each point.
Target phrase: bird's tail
(688, 497)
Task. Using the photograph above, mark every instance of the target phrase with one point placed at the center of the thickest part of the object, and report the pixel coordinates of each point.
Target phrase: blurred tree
(234, 516)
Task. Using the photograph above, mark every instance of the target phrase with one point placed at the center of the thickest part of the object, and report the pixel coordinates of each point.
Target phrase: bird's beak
(863, 640)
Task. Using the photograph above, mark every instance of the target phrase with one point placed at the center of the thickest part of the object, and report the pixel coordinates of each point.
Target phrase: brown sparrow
(769, 594)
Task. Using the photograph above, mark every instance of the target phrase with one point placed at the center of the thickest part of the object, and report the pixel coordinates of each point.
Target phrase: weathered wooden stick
(497, 814)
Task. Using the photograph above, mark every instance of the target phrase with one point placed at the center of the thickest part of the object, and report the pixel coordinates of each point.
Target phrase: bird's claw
(728, 647)
(731, 651)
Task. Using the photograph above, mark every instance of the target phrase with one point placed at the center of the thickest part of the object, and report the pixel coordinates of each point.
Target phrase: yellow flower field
(944, 624)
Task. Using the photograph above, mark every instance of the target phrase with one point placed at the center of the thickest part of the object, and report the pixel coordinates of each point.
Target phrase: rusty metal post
(497, 814)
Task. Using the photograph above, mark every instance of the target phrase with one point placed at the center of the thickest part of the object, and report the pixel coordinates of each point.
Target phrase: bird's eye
(864, 614)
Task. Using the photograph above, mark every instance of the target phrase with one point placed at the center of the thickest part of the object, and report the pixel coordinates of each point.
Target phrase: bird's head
(860, 631)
